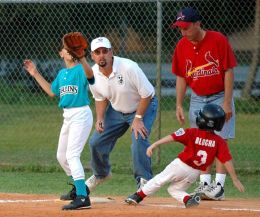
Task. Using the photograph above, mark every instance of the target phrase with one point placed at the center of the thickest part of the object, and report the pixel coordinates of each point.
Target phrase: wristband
(139, 116)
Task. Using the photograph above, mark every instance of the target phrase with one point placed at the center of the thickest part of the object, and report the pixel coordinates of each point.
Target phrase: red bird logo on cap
(180, 16)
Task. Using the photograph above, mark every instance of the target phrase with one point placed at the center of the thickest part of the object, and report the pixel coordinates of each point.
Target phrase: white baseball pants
(178, 174)
(74, 133)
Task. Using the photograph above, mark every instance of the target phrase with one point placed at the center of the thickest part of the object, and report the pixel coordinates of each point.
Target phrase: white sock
(220, 178)
(205, 178)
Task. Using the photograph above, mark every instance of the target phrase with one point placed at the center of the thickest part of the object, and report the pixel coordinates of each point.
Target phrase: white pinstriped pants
(74, 133)
(178, 174)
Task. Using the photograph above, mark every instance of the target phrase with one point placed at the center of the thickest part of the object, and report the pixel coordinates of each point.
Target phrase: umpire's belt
(127, 113)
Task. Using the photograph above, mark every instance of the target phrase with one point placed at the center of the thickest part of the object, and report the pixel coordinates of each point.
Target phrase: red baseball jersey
(203, 65)
(201, 147)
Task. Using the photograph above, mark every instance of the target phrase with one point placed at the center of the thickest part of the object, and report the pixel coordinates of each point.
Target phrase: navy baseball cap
(185, 17)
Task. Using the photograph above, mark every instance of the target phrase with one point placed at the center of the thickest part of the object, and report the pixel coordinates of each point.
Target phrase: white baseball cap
(100, 42)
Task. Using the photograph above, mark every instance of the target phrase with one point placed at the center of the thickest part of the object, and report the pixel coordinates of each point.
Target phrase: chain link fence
(139, 30)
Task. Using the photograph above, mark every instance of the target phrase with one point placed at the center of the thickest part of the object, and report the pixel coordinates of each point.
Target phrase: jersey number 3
(203, 157)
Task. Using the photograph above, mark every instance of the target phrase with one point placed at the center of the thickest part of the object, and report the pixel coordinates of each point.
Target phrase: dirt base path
(24, 205)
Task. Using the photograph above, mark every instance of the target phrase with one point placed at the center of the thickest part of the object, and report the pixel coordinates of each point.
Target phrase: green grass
(119, 184)
(29, 136)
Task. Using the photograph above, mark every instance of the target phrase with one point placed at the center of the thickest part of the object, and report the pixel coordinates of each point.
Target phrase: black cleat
(193, 201)
(133, 199)
(71, 195)
(80, 202)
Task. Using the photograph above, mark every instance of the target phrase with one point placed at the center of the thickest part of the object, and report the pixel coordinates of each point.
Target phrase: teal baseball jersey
(71, 85)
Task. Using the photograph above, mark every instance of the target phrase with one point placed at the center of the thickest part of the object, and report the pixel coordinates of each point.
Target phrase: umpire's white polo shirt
(124, 87)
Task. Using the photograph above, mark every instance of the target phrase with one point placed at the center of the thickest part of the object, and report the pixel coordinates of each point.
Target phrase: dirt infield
(21, 205)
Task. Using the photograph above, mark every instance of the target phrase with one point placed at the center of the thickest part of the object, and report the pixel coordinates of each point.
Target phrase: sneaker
(71, 195)
(215, 192)
(141, 183)
(201, 189)
(80, 202)
(93, 181)
(133, 199)
(193, 201)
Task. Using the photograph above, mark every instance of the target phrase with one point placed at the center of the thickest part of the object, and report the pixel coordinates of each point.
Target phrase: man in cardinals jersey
(202, 145)
(204, 61)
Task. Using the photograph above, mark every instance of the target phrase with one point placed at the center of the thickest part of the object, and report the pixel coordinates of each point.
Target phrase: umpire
(123, 97)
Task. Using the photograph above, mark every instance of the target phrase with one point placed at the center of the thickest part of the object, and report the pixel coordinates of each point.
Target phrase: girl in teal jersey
(71, 86)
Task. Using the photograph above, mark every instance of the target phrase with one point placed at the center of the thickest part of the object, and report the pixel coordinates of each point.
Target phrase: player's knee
(61, 159)
(93, 143)
(70, 157)
(159, 182)
(140, 145)
(171, 190)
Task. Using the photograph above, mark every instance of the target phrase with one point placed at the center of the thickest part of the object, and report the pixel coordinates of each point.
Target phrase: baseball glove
(76, 44)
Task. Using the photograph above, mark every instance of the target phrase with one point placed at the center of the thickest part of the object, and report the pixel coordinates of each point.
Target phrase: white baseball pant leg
(179, 174)
(74, 133)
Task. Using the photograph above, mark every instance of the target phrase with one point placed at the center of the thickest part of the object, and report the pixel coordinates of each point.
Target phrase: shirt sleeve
(140, 81)
(223, 153)
(229, 59)
(181, 136)
(96, 95)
